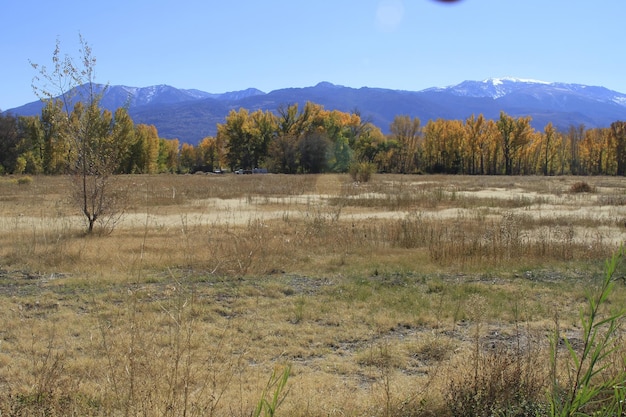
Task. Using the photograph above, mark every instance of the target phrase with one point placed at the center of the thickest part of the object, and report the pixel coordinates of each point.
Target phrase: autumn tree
(312, 140)
(341, 128)
(474, 141)
(574, 136)
(264, 127)
(145, 150)
(506, 126)
(593, 152)
(443, 146)
(44, 146)
(287, 116)
(550, 145)
(94, 154)
(283, 155)
(618, 139)
(56, 150)
(562, 166)
(167, 159)
(208, 154)
(313, 143)
(187, 158)
(530, 156)
(309, 120)
(514, 133)
(406, 132)
(123, 137)
(369, 143)
(432, 133)
(238, 137)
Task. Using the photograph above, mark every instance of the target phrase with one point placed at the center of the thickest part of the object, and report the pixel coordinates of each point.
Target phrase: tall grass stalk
(268, 403)
(592, 388)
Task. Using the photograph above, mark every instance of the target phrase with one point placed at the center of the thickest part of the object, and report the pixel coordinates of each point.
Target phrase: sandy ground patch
(592, 217)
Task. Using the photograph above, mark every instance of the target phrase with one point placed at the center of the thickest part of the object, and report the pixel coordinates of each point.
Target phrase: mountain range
(191, 115)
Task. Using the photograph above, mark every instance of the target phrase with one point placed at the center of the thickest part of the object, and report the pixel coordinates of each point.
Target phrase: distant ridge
(191, 115)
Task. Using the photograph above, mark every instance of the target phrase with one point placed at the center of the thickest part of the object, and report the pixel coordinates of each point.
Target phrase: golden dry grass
(378, 295)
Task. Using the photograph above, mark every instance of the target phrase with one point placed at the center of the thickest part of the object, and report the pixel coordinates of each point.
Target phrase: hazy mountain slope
(190, 115)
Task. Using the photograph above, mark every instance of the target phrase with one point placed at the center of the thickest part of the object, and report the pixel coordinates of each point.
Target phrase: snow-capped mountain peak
(503, 80)
(492, 87)
(499, 88)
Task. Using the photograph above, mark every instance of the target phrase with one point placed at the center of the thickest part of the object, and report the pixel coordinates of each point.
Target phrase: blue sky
(219, 46)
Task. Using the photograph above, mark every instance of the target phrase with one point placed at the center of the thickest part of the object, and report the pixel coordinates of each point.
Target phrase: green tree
(31, 147)
(313, 149)
(9, 143)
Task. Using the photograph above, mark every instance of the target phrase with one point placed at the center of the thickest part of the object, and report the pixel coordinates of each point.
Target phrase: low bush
(581, 187)
(362, 171)
(24, 180)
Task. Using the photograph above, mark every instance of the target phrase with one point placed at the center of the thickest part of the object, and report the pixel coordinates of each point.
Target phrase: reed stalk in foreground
(591, 386)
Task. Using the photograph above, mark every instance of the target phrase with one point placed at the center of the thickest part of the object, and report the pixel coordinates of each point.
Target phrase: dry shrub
(505, 374)
(361, 171)
(434, 349)
(581, 187)
(501, 382)
(25, 180)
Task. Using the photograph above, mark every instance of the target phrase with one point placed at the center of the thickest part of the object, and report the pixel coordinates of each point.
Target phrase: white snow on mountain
(621, 100)
(499, 87)
(502, 80)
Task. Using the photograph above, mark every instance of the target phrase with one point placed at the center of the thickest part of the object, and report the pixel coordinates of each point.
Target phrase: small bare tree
(94, 149)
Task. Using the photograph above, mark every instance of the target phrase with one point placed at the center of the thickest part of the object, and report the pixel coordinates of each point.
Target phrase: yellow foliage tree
(406, 132)
(146, 149)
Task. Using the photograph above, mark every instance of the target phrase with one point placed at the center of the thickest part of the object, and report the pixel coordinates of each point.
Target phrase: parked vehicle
(251, 171)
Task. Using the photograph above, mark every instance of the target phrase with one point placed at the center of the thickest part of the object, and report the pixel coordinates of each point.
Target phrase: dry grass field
(403, 296)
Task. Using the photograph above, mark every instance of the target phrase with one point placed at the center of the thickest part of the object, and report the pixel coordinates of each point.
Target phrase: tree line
(312, 139)
(45, 144)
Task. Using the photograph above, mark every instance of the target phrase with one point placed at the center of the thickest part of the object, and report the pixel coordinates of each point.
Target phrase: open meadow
(234, 295)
